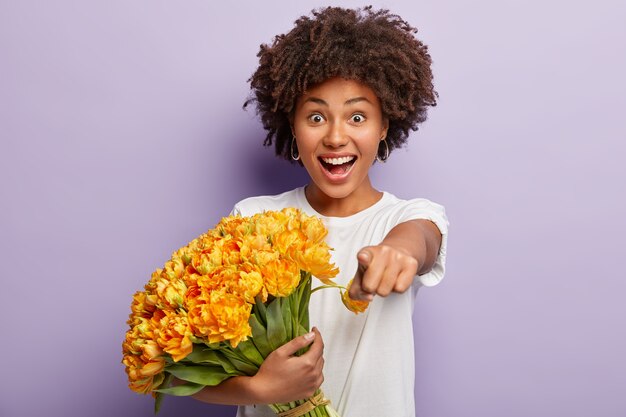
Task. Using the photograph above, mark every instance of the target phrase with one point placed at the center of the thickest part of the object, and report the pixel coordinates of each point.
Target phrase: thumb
(364, 257)
(291, 347)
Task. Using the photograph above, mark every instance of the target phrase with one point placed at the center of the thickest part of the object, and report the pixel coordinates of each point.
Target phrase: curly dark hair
(377, 48)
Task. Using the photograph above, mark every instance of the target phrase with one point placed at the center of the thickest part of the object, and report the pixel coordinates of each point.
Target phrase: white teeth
(338, 161)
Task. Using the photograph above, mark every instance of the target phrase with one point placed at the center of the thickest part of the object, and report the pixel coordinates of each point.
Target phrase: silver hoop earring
(386, 155)
(294, 155)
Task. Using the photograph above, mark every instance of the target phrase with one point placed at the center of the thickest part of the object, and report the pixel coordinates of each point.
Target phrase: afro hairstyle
(376, 48)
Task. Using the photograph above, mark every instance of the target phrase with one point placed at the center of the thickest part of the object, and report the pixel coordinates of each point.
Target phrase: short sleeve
(236, 211)
(424, 209)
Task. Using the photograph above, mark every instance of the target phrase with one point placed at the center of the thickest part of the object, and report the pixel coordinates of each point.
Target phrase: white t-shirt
(369, 368)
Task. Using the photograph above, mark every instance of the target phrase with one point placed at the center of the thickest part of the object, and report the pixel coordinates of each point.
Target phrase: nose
(336, 136)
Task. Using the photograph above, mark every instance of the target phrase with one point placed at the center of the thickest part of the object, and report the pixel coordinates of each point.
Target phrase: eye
(357, 118)
(316, 118)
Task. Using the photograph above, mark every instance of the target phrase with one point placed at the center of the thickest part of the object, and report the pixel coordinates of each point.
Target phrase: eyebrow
(356, 100)
(348, 102)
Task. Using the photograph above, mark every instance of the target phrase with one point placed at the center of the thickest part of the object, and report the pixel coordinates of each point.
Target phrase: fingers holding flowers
(285, 377)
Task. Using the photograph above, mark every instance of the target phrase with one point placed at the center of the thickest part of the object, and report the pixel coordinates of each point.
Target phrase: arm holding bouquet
(282, 377)
(227, 318)
(410, 248)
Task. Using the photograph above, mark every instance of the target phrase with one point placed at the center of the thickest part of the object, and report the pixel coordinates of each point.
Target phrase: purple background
(123, 138)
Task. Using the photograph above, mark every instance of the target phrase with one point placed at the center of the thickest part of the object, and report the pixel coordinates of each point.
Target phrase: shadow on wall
(265, 173)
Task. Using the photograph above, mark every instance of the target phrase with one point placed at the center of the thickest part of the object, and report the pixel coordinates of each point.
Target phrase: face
(338, 125)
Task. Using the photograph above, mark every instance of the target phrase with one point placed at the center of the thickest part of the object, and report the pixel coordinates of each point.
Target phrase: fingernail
(309, 336)
(366, 296)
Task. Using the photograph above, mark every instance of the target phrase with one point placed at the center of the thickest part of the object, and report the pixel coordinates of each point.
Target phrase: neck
(359, 200)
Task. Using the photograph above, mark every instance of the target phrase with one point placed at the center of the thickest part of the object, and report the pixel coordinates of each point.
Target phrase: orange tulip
(356, 306)
(223, 318)
(174, 336)
(316, 260)
(280, 277)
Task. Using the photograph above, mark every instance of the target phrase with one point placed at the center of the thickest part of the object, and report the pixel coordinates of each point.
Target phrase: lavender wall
(123, 138)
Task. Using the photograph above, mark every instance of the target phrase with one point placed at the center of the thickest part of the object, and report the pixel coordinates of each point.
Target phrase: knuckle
(412, 262)
(278, 353)
(402, 286)
(369, 287)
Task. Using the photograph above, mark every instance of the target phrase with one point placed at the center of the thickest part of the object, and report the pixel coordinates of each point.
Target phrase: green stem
(321, 287)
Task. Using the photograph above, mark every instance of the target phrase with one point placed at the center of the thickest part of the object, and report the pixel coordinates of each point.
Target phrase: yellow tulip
(175, 268)
(314, 230)
(356, 306)
(150, 350)
(223, 318)
(141, 307)
(289, 242)
(280, 277)
(253, 243)
(316, 260)
(143, 377)
(174, 336)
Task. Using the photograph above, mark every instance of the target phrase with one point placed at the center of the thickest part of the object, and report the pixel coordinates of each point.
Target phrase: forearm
(418, 238)
(238, 390)
(283, 377)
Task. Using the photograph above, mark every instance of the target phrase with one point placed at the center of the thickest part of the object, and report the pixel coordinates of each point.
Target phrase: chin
(336, 192)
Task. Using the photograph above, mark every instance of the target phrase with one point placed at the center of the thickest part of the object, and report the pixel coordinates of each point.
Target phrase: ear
(383, 133)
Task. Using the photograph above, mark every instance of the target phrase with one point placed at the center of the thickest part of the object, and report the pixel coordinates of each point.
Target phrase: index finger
(356, 291)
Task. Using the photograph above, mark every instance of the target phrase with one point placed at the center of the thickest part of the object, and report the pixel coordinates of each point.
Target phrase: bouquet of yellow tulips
(225, 301)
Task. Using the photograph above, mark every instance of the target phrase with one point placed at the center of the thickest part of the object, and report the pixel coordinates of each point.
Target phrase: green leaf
(241, 363)
(204, 375)
(286, 313)
(276, 334)
(259, 336)
(181, 390)
(158, 400)
(260, 310)
(305, 285)
(304, 302)
(294, 306)
(250, 352)
(204, 355)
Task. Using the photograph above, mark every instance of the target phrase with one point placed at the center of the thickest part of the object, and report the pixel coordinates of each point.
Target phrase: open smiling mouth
(338, 166)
